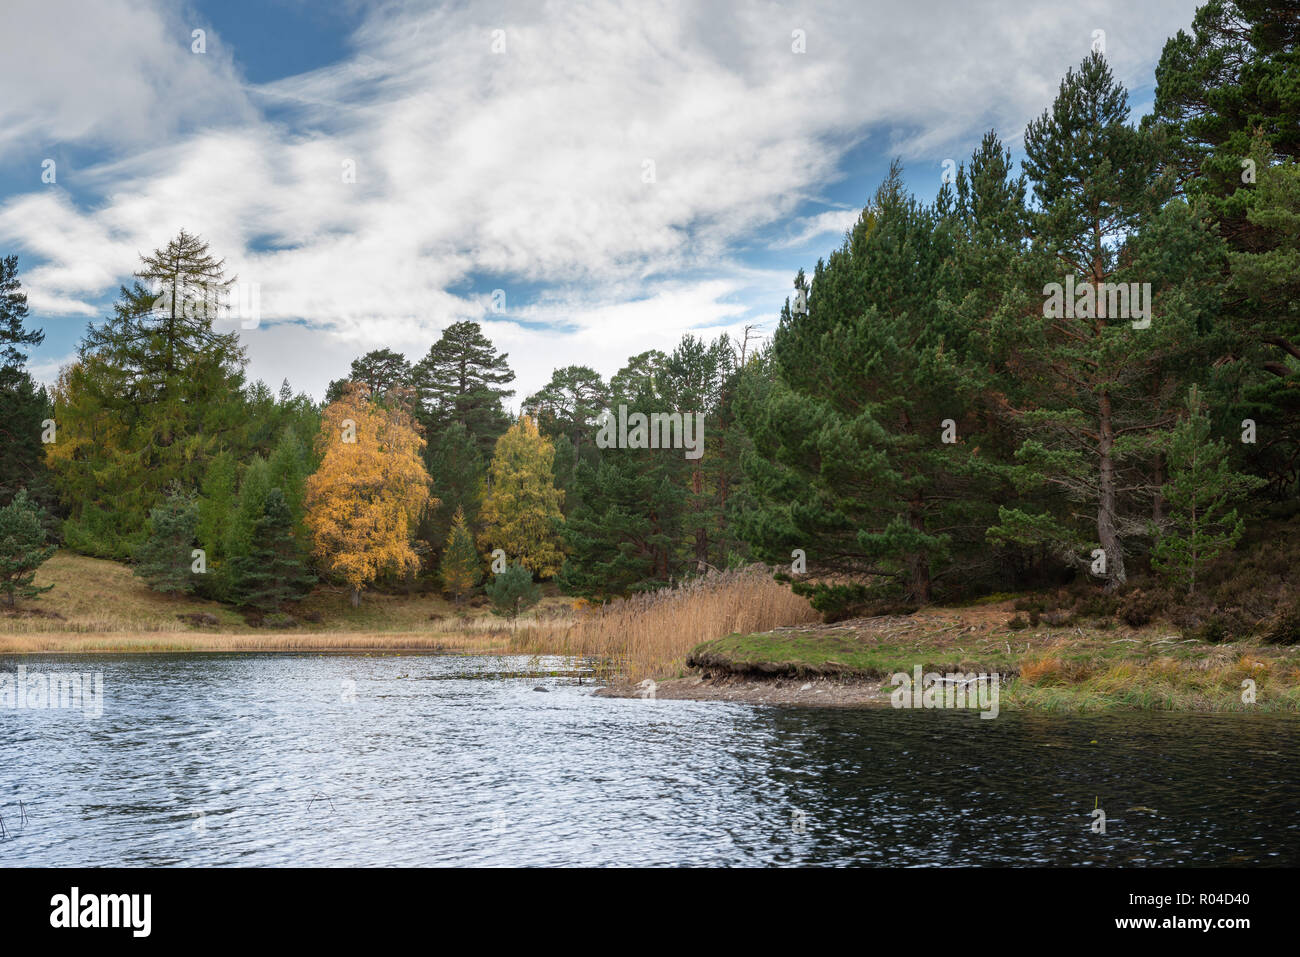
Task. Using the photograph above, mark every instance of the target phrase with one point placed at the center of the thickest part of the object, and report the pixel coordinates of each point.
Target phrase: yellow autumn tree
(364, 500)
(521, 513)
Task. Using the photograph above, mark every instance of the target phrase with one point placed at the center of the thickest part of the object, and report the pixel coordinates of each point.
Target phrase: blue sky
(500, 146)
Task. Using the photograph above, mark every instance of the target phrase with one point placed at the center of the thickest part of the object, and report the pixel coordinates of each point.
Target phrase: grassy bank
(97, 605)
(1078, 668)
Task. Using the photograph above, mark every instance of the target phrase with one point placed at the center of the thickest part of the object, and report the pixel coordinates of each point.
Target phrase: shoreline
(1071, 668)
(781, 692)
(1082, 666)
(57, 643)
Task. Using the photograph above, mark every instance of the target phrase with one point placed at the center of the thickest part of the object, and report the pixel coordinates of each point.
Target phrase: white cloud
(110, 72)
(833, 221)
(525, 167)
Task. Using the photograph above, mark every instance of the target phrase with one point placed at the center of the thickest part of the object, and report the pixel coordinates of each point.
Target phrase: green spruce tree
(23, 548)
(272, 569)
(165, 558)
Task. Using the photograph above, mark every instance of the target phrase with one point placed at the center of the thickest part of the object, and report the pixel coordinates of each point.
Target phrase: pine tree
(381, 371)
(698, 379)
(461, 567)
(13, 311)
(462, 379)
(1225, 95)
(22, 549)
(569, 403)
(272, 570)
(165, 558)
(24, 406)
(867, 446)
(513, 591)
(1226, 105)
(627, 532)
(640, 377)
(1201, 485)
(1104, 225)
(459, 480)
(565, 467)
(521, 513)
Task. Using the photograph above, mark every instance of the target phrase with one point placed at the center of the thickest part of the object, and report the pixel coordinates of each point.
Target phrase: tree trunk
(1158, 506)
(356, 598)
(919, 561)
(1106, 532)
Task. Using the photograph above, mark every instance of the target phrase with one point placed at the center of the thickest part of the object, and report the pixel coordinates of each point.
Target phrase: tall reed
(650, 633)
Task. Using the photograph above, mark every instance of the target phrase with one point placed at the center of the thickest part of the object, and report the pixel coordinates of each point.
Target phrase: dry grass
(474, 641)
(99, 606)
(93, 598)
(651, 634)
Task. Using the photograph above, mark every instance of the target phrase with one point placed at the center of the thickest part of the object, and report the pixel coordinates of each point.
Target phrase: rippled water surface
(427, 760)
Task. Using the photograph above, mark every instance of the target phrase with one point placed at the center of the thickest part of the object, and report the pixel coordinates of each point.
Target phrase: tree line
(1082, 367)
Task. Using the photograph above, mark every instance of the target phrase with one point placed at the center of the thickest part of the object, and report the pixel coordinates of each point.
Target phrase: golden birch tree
(364, 500)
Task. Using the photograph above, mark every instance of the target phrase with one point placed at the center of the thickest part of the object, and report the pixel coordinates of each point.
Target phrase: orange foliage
(363, 501)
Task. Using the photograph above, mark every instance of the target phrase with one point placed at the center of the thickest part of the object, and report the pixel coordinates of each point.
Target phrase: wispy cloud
(524, 168)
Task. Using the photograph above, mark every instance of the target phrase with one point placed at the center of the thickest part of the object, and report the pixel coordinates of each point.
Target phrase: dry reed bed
(651, 633)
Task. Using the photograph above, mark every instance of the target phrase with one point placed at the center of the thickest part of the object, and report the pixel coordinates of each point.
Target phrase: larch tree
(521, 512)
(364, 500)
(155, 395)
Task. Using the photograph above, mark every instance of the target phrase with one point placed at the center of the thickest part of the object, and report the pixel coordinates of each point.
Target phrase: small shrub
(1284, 627)
(1211, 632)
(1096, 605)
(1137, 608)
(513, 592)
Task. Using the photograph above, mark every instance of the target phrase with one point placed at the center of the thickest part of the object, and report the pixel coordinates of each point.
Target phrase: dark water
(438, 761)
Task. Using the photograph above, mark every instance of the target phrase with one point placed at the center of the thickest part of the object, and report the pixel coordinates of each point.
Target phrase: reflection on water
(426, 760)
